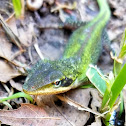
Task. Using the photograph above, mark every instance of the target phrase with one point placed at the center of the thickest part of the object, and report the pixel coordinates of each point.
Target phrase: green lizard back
(86, 42)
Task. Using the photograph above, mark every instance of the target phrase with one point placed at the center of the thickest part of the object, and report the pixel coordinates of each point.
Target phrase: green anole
(83, 48)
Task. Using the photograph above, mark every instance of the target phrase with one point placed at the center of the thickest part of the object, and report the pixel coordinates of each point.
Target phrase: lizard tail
(104, 9)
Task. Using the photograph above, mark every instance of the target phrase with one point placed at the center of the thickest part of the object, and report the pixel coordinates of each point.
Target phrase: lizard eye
(57, 83)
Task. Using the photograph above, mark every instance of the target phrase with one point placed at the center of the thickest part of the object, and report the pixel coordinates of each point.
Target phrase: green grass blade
(17, 95)
(7, 104)
(117, 68)
(17, 7)
(118, 86)
(123, 45)
(121, 105)
(105, 100)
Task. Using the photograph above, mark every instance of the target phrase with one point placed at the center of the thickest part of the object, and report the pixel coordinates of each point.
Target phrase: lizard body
(83, 48)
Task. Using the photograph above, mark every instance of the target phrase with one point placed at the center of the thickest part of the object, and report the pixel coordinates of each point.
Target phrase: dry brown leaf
(69, 115)
(16, 85)
(5, 46)
(24, 33)
(96, 101)
(76, 105)
(12, 36)
(27, 115)
(7, 72)
(82, 97)
(12, 25)
(3, 93)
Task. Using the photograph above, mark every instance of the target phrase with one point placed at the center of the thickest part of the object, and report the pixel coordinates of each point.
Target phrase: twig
(10, 33)
(78, 106)
(38, 51)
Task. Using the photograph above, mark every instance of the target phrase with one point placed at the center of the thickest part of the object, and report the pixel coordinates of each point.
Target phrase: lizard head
(50, 77)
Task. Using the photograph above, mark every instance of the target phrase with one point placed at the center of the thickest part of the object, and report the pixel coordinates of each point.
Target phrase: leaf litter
(27, 115)
(48, 40)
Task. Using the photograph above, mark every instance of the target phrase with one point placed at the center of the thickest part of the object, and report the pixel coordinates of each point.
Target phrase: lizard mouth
(48, 90)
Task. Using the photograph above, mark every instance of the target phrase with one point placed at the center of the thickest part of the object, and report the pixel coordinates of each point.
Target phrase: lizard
(84, 47)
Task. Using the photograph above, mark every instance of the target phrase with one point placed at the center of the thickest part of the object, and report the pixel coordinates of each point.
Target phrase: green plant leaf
(123, 45)
(17, 95)
(97, 78)
(105, 100)
(87, 86)
(117, 86)
(121, 104)
(116, 68)
(17, 7)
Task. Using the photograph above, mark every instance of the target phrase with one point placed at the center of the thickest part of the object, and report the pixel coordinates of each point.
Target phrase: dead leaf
(3, 94)
(12, 25)
(27, 115)
(5, 46)
(82, 95)
(76, 105)
(16, 85)
(96, 101)
(10, 33)
(69, 115)
(21, 35)
(7, 72)
(24, 32)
